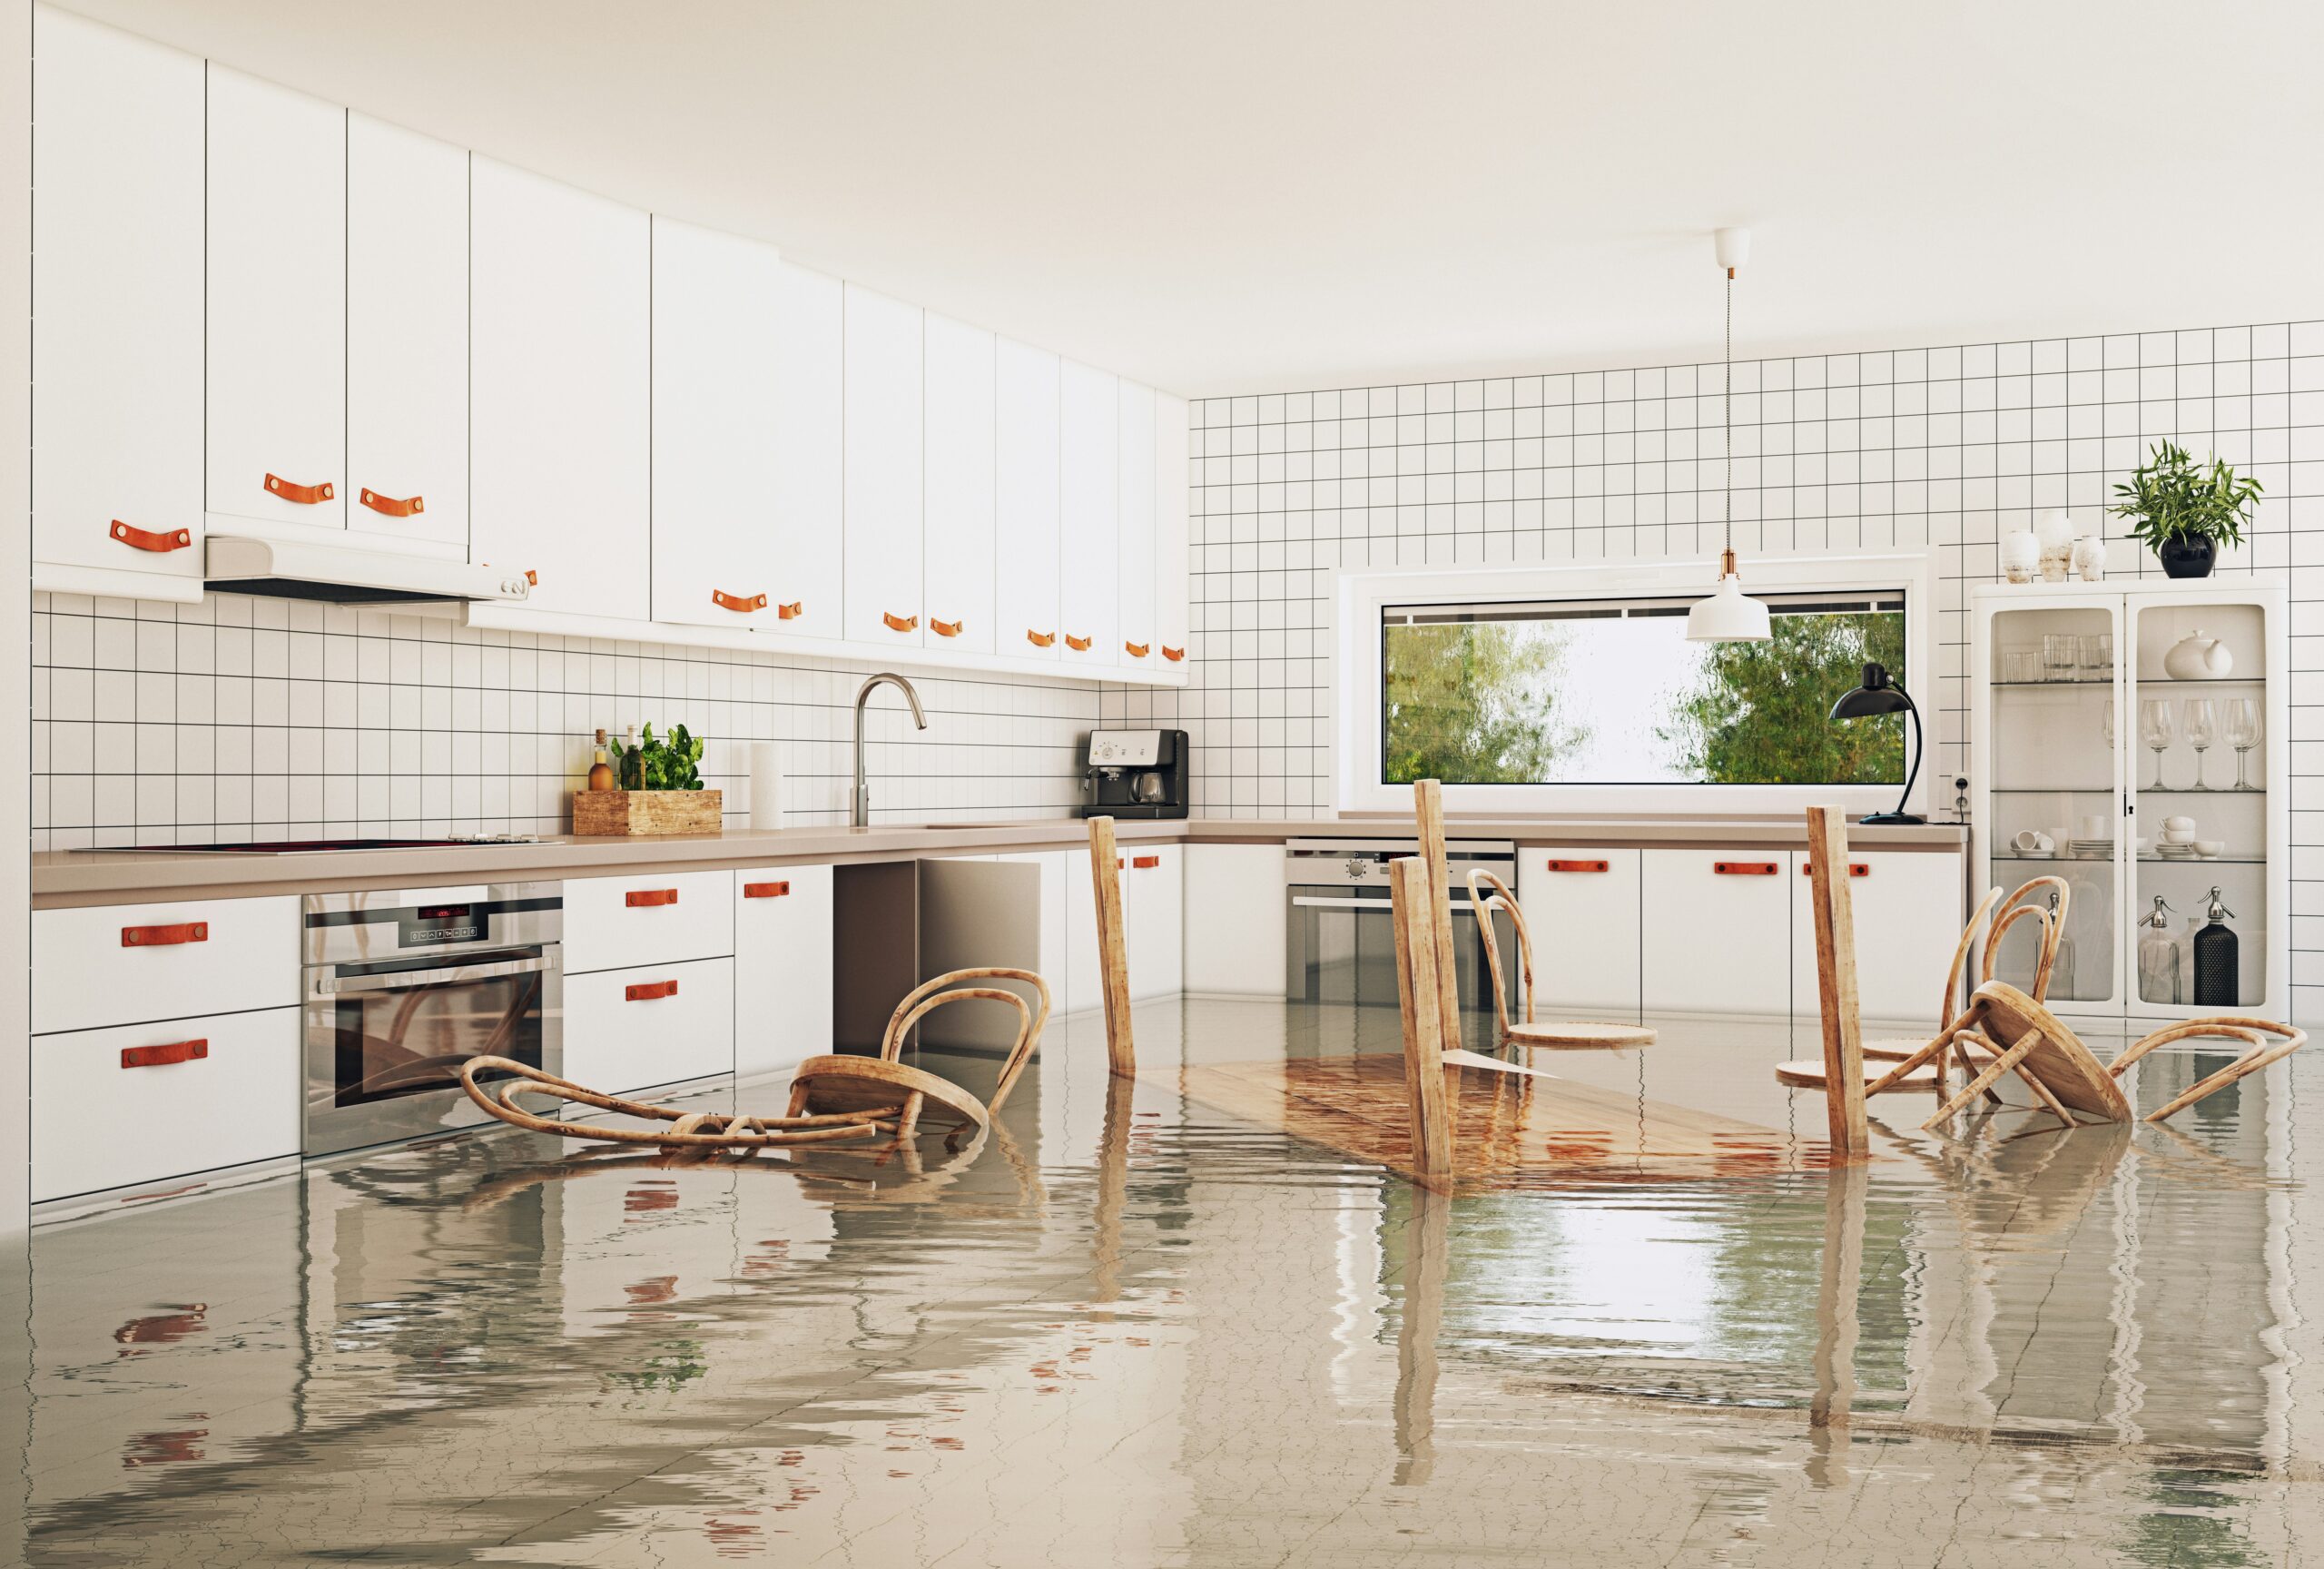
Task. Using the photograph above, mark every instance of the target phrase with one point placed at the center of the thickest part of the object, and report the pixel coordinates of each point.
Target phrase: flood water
(1134, 1330)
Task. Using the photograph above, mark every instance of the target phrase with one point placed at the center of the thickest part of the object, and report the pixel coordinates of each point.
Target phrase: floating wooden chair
(1556, 1034)
(835, 1099)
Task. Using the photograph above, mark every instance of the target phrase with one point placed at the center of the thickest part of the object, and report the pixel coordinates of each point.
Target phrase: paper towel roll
(766, 785)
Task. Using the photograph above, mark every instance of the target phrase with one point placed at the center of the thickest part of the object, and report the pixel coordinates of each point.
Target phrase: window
(1611, 692)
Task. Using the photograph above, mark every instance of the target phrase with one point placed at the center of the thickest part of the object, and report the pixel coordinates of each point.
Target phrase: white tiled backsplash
(244, 717)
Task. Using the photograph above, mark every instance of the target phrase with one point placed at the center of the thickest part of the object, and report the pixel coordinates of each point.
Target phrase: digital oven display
(433, 925)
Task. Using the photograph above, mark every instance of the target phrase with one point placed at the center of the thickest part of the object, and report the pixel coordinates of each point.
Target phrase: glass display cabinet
(2134, 738)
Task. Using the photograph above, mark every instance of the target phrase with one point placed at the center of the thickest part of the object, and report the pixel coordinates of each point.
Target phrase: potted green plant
(2181, 510)
(657, 790)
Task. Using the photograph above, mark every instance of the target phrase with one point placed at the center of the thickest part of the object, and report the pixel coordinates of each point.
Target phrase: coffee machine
(1134, 773)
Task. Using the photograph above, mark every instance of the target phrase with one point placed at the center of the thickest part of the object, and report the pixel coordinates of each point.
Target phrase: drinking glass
(2157, 731)
(2202, 729)
(2061, 652)
(2094, 655)
(2239, 727)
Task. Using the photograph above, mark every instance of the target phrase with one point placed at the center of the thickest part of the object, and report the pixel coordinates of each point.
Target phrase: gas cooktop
(309, 847)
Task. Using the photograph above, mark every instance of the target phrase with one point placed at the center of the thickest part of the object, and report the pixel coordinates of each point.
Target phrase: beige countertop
(62, 878)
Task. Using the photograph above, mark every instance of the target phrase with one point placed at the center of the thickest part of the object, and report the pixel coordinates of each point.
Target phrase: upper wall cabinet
(1173, 558)
(407, 340)
(1089, 544)
(955, 532)
(1134, 572)
(883, 484)
(1025, 502)
(117, 310)
(717, 556)
(560, 359)
(277, 235)
(808, 453)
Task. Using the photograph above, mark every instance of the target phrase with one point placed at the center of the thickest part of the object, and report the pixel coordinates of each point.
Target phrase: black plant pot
(2186, 557)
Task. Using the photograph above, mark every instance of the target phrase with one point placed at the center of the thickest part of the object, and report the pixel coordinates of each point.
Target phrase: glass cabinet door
(2053, 755)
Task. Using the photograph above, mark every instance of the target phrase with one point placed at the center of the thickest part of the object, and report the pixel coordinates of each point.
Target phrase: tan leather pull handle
(389, 506)
(146, 539)
(161, 1056)
(304, 495)
(765, 890)
(1040, 639)
(1136, 650)
(737, 602)
(645, 898)
(1146, 861)
(1173, 655)
(1577, 866)
(899, 623)
(1856, 869)
(649, 991)
(945, 629)
(1744, 868)
(1079, 645)
(791, 612)
(165, 936)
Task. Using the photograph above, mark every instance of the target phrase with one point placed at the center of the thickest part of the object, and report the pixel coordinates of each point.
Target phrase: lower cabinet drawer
(654, 1024)
(142, 1102)
(117, 963)
(648, 919)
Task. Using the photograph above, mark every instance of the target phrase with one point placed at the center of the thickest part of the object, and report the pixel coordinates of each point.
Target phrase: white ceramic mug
(2094, 825)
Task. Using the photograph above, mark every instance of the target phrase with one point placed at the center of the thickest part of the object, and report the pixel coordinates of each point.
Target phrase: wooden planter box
(647, 811)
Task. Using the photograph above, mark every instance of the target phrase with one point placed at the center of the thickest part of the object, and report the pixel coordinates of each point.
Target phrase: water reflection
(1135, 1329)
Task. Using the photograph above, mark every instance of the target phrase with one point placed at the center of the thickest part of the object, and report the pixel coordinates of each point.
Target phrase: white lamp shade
(1728, 616)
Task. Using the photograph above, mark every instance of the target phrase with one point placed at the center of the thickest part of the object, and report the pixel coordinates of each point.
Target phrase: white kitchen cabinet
(648, 1024)
(1090, 528)
(1582, 906)
(883, 491)
(1716, 936)
(1154, 900)
(783, 969)
(1135, 565)
(957, 531)
(717, 552)
(101, 965)
(807, 458)
(277, 332)
(1907, 918)
(1024, 489)
(407, 341)
(117, 313)
(647, 918)
(561, 383)
(1053, 868)
(1173, 559)
(1084, 974)
(1236, 944)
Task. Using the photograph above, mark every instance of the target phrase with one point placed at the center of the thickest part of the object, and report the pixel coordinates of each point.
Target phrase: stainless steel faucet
(859, 799)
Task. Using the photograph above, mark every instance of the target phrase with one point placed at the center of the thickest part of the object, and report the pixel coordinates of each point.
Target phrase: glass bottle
(601, 773)
(2061, 966)
(2217, 967)
(2158, 956)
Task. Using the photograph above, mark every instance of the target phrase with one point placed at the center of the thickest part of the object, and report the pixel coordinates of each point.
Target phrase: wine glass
(2157, 731)
(2106, 722)
(2202, 729)
(2240, 729)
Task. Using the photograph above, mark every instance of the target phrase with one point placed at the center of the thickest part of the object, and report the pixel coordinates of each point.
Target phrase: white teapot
(2198, 658)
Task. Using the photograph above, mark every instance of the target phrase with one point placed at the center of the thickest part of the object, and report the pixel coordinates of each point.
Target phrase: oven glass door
(1342, 948)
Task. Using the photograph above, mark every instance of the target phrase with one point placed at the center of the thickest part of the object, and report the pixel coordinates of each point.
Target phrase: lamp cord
(1726, 419)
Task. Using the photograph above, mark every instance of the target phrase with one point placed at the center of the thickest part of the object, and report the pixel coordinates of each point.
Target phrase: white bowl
(2210, 847)
(2185, 823)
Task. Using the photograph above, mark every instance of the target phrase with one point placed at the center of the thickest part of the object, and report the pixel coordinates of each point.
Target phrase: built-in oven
(403, 986)
(1342, 941)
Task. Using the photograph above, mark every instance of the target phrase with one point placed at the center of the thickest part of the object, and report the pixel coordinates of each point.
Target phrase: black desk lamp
(1878, 694)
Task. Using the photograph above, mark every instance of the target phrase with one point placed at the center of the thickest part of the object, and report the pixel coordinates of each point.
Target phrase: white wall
(15, 682)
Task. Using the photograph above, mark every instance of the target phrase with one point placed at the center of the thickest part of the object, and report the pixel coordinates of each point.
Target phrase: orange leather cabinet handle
(146, 539)
(643, 898)
(725, 601)
(1856, 869)
(1136, 650)
(1040, 639)
(165, 936)
(765, 890)
(304, 495)
(388, 506)
(1173, 655)
(1577, 866)
(1146, 860)
(899, 623)
(162, 1056)
(792, 611)
(945, 629)
(1079, 645)
(1744, 868)
(649, 991)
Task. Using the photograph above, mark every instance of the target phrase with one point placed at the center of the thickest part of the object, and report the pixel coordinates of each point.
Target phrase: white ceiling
(1238, 196)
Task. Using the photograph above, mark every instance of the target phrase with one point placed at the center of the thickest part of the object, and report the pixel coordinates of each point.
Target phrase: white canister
(766, 785)
(2055, 532)
(2020, 556)
(2090, 558)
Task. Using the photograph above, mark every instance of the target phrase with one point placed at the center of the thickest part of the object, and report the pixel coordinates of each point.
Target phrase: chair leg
(1982, 1081)
(1969, 1017)
(2243, 1067)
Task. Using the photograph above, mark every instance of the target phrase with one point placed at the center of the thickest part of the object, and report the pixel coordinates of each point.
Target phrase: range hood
(337, 575)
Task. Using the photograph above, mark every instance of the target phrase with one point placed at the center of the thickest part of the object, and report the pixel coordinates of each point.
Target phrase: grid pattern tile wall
(244, 717)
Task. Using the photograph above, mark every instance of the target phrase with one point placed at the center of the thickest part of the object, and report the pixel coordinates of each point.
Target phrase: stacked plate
(2171, 851)
(2091, 849)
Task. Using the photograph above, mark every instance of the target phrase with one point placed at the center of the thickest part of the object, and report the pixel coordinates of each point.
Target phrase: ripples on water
(1135, 1330)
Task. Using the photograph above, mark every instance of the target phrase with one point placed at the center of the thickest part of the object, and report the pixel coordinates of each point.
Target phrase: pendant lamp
(1729, 615)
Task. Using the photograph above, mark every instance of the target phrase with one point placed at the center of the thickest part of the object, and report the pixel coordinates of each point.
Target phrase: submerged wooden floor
(1514, 1131)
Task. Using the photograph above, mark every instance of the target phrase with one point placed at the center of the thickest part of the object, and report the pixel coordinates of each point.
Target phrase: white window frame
(1358, 597)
